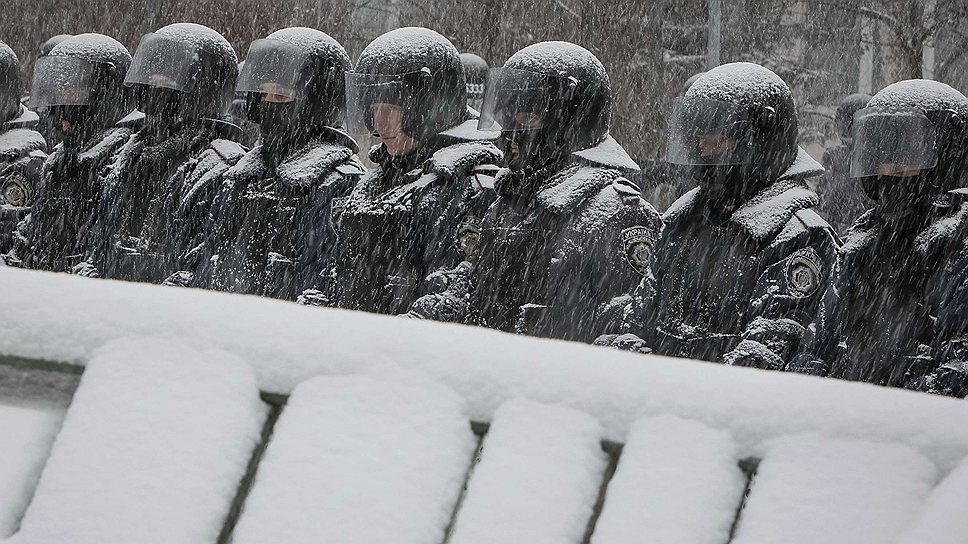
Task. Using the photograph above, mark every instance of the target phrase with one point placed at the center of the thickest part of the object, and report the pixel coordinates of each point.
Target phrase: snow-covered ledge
(60, 318)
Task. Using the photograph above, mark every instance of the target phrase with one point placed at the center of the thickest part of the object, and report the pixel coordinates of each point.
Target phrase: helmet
(81, 80)
(844, 119)
(294, 79)
(913, 134)
(416, 69)
(688, 83)
(475, 74)
(47, 46)
(182, 72)
(551, 99)
(736, 128)
(9, 84)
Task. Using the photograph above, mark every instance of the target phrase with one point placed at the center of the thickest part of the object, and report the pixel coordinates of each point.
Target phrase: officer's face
(711, 145)
(162, 81)
(277, 94)
(388, 125)
(898, 170)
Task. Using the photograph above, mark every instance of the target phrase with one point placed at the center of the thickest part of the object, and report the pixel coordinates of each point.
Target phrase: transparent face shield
(516, 100)
(61, 81)
(376, 103)
(274, 69)
(901, 143)
(163, 62)
(705, 131)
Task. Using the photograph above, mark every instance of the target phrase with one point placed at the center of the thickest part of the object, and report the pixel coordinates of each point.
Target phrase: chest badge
(803, 273)
(637, 247)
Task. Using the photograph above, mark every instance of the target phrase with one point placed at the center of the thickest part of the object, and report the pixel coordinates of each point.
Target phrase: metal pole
(714, 37)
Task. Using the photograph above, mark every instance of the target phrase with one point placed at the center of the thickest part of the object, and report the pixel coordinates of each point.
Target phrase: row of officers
(518, 217)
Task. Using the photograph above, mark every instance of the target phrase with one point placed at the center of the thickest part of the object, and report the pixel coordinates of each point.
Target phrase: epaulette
(352, 168)
(812, 220)
(624, 187)
(230, 152)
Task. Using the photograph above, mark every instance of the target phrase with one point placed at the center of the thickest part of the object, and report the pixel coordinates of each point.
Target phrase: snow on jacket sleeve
(788, 294)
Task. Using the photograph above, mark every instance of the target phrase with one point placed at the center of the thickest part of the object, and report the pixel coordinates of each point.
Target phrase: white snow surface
(409, 43)
(811, 489)
(921, 94)
(943, 519)
(20, 141)
(312, 40)
(152, 449)
(678, 481)
(538, 480)
(201, 36)
(561, 57)
(360, 459)
(27, 436)
(608, 153)
(285, 344)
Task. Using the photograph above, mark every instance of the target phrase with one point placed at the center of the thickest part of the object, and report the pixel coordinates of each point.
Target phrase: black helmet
(300, 72)
(9, 84)
(416, 69)
(844, 119)
(51, 43)
(475, 74)
(552, 99)
(913, 133)
(735, 126)
(183, 72)
(82, 79)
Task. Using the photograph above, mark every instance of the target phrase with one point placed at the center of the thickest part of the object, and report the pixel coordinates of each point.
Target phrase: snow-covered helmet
(844, 119)
(552, 99)
(305, 69)
(9, 84)
(416, 69)
(83, 78)
(476, 71)
(913, 132)
(183, 71)
(736, 127)
(50, 43)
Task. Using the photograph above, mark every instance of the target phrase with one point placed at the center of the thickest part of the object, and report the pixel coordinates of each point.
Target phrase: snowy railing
(205, 418)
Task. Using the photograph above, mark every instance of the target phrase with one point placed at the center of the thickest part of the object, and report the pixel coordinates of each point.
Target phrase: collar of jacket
(25, 119)
(572, 186)
(951, 223)
(306, 166)
(103, 145)
(765, 214)
(19, 142)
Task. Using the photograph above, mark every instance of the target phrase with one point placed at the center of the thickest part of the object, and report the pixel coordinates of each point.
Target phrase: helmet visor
(704, 131)
(274, 68)
(163, 62)
(368, 94)
(61, 81)
(893, 143)
(515, 100)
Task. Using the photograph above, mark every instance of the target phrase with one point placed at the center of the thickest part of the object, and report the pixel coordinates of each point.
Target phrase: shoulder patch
(228, 150)
(16, 190)
(637, 248)
(803, 272)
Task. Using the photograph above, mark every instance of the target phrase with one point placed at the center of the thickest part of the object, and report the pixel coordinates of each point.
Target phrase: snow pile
(678, 481)
(153, 447)
(943, 519)
(540, 471)
(362, 460)
(286, 343)
(810, 489)
(27, 437)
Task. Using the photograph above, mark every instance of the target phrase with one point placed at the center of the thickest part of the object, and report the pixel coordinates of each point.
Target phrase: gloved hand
(182, 278)
(85, 269)
(811, 366)
(950, 379)
(753, 354)
(623, 342)
(312, 297)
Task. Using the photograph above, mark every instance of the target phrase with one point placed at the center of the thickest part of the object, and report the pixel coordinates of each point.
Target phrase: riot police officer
(419, 210)
(741, 265)
(275, 229)
(160, 185)
(22, 151)
(568, 231)
(895, 313)
(476, 72)
(79, 86)
(841, 201)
